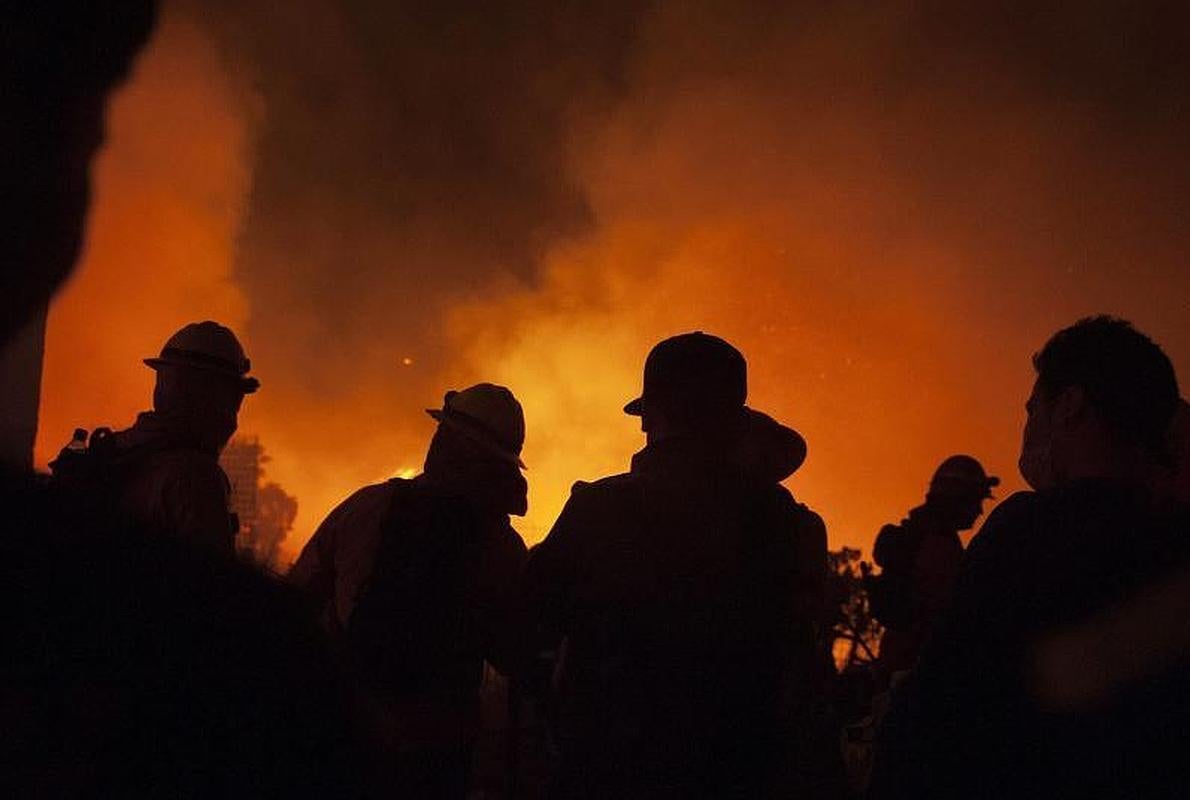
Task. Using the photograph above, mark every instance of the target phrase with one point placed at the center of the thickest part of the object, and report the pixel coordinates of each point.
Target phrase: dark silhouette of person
(921, 558)
(132, 666)
(418, 581)
(1140, 641)
(765, 452)
(61, 61)
(164, 471)
(686, 593)
(137, 667)
(1172, 485)
(969, 721)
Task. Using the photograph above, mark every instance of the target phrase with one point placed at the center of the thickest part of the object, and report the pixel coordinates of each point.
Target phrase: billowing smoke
(412, 157)
(171, 187)
(887, 207)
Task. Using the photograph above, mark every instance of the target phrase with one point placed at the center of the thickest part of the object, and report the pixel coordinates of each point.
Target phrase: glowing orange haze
(889, 345)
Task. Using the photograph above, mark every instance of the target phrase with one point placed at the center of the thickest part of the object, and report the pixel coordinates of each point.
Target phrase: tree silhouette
(275, 512)
(855, 632)
(266, 512)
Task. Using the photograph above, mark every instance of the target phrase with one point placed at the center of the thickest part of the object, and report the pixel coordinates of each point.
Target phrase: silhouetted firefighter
(687, 592)
(132, 667)
(977, 718)
(163, 473)
(921, 558)
(417, 579)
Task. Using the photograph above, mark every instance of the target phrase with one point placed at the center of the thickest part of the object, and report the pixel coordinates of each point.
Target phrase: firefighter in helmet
(921, 556)
(169, 479)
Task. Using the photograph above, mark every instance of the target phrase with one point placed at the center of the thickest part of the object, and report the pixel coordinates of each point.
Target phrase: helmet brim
(248, 385)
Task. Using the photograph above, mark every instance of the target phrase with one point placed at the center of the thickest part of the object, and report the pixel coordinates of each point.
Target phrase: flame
(170, 187)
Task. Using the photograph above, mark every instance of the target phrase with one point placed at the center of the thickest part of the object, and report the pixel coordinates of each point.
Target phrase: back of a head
(493, 484)
(697, 383)
(477, 446)
(1126, 377)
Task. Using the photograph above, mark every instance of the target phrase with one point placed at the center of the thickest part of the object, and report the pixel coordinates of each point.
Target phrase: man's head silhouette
(477, 448)
(202, 376)
(958, 488)
(488, 416)
(694, 383)
(1101, 407)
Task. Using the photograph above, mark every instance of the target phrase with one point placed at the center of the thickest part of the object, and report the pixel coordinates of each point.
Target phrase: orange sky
(887, 257)
(169, 193)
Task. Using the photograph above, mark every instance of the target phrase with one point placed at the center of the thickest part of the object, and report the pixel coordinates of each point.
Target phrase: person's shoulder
(784, 503)
(780, 495)
(1016, 507)
(607, 483)
(806, 524)
(1012, 520)
(369, 497)
(362, 511)
(603, 488)
(593, 502)
(809, 521)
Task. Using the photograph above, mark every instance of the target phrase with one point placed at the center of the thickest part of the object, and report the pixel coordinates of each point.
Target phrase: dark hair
(1126, 376)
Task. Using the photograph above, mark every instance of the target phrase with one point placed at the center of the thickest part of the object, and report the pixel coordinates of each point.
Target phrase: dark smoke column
(410, 156)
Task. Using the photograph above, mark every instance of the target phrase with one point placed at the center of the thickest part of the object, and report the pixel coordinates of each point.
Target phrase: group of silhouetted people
(672, 628)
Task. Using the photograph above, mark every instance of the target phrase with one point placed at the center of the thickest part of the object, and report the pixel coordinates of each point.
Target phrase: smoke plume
(887, 207)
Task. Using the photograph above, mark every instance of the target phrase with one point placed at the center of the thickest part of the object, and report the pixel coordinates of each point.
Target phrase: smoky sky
(1012, 165)
(411, 154)
(408, 155)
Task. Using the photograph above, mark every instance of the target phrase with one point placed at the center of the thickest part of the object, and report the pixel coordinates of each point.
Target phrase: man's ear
(1070, 407)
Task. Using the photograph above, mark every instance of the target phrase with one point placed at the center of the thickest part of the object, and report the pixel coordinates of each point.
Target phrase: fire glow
(887, 268)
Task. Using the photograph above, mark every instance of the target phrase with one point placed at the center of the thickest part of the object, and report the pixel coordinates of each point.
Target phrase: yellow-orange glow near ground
(169, 191)
(887, 308)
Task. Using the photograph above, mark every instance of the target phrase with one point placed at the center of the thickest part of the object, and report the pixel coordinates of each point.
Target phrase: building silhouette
(265, 511)
(242, 460)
